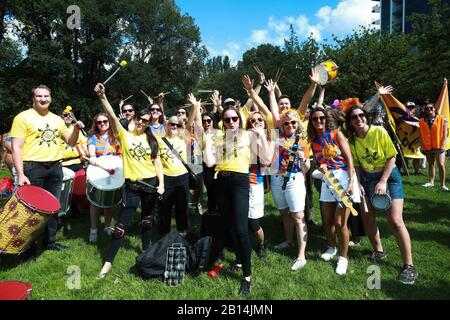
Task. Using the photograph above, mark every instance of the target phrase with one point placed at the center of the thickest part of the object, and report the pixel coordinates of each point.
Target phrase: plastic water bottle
(214, 272)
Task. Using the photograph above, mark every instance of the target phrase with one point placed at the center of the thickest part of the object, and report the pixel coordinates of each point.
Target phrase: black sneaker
(408, 275)
(378, 256)
(236, 266)
(261, 251)
(245, 287)
(56, 247)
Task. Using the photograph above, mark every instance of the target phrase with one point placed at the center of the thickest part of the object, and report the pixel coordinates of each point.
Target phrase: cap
(410, 104)
(229, 101)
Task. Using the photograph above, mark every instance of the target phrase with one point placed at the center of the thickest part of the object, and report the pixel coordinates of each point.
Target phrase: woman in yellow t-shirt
(143, 177)
(230, 151)
(176, 178)
(374, 156)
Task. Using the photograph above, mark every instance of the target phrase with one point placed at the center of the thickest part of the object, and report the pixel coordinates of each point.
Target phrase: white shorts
(256, 201)
(293, 198)
(342, 176)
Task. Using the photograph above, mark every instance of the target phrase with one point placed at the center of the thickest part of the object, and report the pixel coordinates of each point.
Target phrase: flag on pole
(443, 107)
(405, 125)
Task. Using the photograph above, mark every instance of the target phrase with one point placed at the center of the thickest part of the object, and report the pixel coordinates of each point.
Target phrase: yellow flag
(443, 107)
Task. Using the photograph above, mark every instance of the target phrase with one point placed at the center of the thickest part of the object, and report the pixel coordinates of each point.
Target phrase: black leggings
(132, 199)
(176, 190)
(208, 180)
(233, 204)
(253, 225)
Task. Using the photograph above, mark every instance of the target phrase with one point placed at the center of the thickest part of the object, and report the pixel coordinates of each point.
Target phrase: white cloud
(259, 36)
(232, 50)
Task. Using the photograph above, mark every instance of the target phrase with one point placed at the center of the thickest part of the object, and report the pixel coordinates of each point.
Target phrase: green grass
(426, 213)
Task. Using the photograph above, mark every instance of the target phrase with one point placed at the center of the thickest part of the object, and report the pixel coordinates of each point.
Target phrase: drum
(79, 185)
(23, 217)
(66, 191)
(328, 71)
(104, 190)
(381, 202)
(15, 290)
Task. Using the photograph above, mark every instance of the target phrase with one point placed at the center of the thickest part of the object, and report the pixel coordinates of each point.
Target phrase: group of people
(237, 147)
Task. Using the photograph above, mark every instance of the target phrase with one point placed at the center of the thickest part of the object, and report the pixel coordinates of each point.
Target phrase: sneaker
(235, 266)
(428, 185)
(377, 256)
(352, 243)
(444, 188)
(245, 287)
(56, 247)
(342, 265)
(282, 246)
(108, 231)
(298, 264)
(408, 275)
(329, 254)
(261, 251)
(93, 236)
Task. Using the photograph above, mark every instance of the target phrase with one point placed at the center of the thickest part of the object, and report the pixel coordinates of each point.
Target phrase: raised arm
(216, 99)
(248, 86)
(321, 96)
(115, 124)
(309, 93)
(373, 101)
(257, 89)
(271, 88)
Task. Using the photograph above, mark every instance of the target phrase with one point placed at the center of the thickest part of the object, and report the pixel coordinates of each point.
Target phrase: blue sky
(231, 27)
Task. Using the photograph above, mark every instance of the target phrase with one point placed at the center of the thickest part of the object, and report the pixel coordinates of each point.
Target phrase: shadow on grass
(437, 291)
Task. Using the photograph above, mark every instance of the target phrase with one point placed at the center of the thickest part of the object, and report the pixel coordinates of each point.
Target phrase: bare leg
(370, 225)
(328, 222)
(302, 232)
(441, 165)
(395, 219)
(288, 225)
(431, 173)
(342, 232)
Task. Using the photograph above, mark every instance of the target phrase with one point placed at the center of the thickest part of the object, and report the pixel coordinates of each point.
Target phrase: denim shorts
(394, 184)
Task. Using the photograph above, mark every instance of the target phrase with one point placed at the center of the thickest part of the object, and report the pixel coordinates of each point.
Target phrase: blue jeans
(49, 177)
(394, 183)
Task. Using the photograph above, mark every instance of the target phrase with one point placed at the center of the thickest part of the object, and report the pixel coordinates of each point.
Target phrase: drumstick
(164, 94)
(127, 98)
(278, 75)
(144, 94)
(110, 171)
(123, 64)
(257, 69)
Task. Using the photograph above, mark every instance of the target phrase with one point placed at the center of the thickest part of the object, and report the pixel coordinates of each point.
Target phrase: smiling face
(207, 123)
(102, 123)
(284, 104)
(430, 110)
(290, 124)
(358, 119)
(142, 122)
(67, 118)
(128, 111)
(42, 98)
(319, 121)
(155, 111)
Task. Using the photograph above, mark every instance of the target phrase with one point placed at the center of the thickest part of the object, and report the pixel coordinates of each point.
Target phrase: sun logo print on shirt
(370, 157)
(329, 151)
(167, 154)
(47, 136)
(138, 152)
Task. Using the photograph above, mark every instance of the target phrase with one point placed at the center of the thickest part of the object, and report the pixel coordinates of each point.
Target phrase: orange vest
(432, 138)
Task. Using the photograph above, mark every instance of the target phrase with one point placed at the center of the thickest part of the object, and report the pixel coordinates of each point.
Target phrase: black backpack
(151, 263)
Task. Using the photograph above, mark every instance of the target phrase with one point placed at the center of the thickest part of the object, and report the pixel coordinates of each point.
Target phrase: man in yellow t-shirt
(36, 135)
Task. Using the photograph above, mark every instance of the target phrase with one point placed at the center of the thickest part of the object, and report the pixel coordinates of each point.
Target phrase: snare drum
(104, 190)
(79, 188)
(328, 71)
(381, 202)
(23, 217)
(66, 191)
(15, 290)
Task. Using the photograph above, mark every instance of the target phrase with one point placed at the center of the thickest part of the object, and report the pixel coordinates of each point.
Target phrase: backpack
(151, 264)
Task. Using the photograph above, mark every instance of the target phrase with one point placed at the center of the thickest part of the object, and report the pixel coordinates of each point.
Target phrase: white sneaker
(329, 254)
(342, 265)
(93, 236)
(298, 264)
(428, 185)
(444, 188)
(282, 246)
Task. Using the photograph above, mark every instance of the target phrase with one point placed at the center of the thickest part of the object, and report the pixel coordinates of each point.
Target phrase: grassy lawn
(427, 216)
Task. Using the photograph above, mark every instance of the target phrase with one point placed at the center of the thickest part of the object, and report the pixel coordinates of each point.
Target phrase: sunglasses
(253, 121)
(316, 119)
(66, 115)
(176, 125)
(127, 110)
(181, 112)
(231, 119)
(292, 122)
(155, 110)
(359, 115)
(102, 122)
(144, 120)
(429, 108)
(206, 120)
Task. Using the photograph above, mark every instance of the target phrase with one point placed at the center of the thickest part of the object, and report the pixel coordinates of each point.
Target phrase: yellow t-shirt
(136, 153)
(236, 156)
(373, 150)
(41, 134)
(172, 166)
(70, 154)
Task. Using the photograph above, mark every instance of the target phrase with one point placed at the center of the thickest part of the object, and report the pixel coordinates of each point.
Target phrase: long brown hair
(311, 131)
(350, 131)
(94, 131)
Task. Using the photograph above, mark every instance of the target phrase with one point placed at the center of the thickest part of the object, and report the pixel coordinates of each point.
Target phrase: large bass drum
(103, 189)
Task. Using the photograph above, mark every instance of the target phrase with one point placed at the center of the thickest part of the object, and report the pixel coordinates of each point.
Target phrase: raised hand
(192, 100)
(216, 99)
(270, 85)
(262, 78)
(99, 89)
(247, 82)
(314, 75)
(385, 90)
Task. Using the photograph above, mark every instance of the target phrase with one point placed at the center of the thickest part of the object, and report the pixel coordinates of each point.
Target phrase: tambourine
(381, 202)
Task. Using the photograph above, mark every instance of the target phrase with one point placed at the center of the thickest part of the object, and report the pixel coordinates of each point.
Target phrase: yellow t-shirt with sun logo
(136, 153)
(70, 154)
(373, 150)
(41, 134)
(172, 166)
(232, 153)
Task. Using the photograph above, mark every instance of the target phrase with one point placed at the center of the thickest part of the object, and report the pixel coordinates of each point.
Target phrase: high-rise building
(394, 15)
